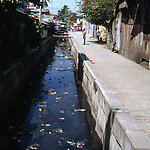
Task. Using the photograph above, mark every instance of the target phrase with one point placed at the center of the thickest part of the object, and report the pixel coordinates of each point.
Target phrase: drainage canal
(51, 112)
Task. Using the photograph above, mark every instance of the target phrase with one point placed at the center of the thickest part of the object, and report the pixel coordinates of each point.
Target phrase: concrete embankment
(117, 129)
(13, 79)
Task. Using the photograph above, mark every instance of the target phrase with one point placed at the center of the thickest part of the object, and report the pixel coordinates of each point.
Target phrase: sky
(58, 4)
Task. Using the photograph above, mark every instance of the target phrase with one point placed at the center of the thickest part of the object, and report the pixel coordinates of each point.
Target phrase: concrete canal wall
(14, 78)
(114, 125)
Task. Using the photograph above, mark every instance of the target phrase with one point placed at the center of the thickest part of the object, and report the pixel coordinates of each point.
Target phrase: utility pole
(40, 11)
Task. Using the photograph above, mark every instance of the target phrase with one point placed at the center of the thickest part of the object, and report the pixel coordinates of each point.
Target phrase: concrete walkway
(129, 80)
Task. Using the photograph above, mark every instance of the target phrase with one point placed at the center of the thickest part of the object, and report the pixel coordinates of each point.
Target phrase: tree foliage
(97, 11)
(66, 15)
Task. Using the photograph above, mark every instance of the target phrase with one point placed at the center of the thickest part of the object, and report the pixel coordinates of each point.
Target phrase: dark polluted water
(51, 111)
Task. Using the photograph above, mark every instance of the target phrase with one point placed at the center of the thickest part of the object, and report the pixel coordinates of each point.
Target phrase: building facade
(129, 30)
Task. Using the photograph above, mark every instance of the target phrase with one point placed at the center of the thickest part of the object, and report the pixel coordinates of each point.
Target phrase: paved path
(129, 80)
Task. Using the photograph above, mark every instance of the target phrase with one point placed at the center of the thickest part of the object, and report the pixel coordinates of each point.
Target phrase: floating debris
(51, 90)
(72, 114)
(62, 118)
(59, 142)
(72, 143)
(42, 130)
(62, 111)
(80, 144)
(82, 110)
(40, 109)
(59, 131)
(62, 69)
(44, 106)
(75, 95)
(66, 93)
(34, 146)
(58, 98)
(47, 125)
(53, 93)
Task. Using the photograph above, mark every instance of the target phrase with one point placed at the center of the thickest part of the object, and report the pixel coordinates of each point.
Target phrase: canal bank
(121, 121)
(51, 111)
(13, 79)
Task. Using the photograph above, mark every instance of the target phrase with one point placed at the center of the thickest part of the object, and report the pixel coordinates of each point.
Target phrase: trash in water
(66, 93)
(59, 131)
(47, 125)
(53, 93)
(62, 69)
(82, 110)
(62, 111)
(34, 146)
(72, 143)
(80, 144)
(44, 106)
(57, 101)
(42, 130)
(73, 114)
(40, 109)
(61, 118)
(75, 95)
(58, 98)
(51, 90)
(59, 142)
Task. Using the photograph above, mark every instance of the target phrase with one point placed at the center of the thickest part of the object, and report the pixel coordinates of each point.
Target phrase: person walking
(98, 34)
(84, 36)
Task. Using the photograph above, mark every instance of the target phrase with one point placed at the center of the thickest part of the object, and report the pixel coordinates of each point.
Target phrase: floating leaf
(82, 110)
(62, 111)
(66, 93)
(72, 143)
(47, 125)
(59, 131)
(53, 93)
(51, 90)
(58, 98)
(44, 106)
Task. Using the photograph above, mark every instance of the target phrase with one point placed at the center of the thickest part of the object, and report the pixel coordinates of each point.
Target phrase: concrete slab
(129, 81)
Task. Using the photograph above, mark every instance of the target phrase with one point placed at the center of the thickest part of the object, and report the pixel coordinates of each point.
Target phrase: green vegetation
(18, 32)
(97, 11)
(66, 15)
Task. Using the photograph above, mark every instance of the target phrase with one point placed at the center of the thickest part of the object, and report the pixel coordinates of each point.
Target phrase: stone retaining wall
(114, 125)
(13, 79)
